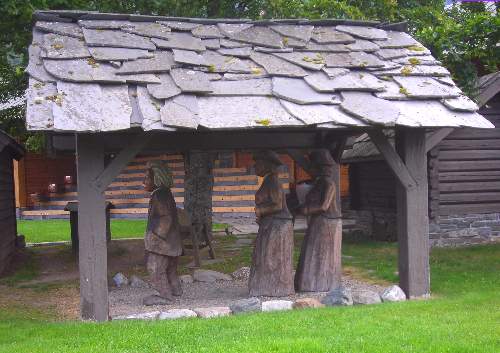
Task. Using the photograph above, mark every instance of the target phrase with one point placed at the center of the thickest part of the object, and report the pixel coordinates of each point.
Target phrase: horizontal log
(163, 157)
(143, 166)
(464, 209)
(459, 178)
(470, 186)
(472, 155)
(448, 166)
(470, 144)
(468, 134)
(470, 197)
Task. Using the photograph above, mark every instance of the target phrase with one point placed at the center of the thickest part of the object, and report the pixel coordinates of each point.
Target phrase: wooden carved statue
(319, 262)
(163, 242)
(272, 259)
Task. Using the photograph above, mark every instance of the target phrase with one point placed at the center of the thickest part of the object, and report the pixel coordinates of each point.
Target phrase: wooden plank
(392, 158)
(45, 213)
(412, 216)
(436, 137)
(143, 166)
(464, 209)
(461, 178)
(162, 157)
(469, 133)
(120, 161)
(472, 155)
(92, 230)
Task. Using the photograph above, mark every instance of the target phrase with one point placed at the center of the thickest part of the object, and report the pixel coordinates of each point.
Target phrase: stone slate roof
(108, 72)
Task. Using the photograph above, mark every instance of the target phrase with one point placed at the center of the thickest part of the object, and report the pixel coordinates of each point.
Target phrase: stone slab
(307, 303)
(211, 43)
(174, 314)
(338, 297)
(65, 29)
(414, 70)
(191, 80)
(255, 87)
(363, 45)
(461, 103)
(56, 46)
(397, 39)
(104, 24)
(369, 33)
(329, 35)
(116, 38)
(369, 108)
(243, 112)
(152, 315)
(393, 294)
(365, 297)
(352, 81)
(181, 111)
(313, 114)
(141, 78)
(148, 29)
(259, 35)
(330, 48)
(188, 57)
(207, 32)
(36, 68)
(40, 97)
(227, 43)
(275, 66)
(243, 52)
(82, 70)
(162, 61)
(388, 54)
(308, 60)
(119, 54)
(180, 26)
(180, 40)
(91, 107)
(298, 91)
(220, 63)
(425, 87)
(212, 312)
(166, 89)
(229, 29)
(150, 108)
(301, 32)
(353, 60)
(277, 305)
(246, 305)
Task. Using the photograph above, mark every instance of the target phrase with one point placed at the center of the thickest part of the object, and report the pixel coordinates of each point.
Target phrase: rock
(277, 305)
(153, 315)
(155, 300)
(136, 282)
(393, 294)
(120, 280)
(242, 273)
(365, 296)
(338, 296)
(214, 311)
(176, 314)
(186, 279)
(304, 303)
(246, 305)
(210, 276)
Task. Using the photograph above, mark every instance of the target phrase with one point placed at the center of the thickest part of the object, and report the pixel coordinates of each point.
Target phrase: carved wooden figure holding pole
(272, 260)
(319, 258)
(163, 240)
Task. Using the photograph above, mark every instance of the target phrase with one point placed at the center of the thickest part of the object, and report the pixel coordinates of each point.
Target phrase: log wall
(8, 227)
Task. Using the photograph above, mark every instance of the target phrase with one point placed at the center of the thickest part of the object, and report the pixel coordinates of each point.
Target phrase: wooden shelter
(9, 150)
(463, 172)
(124, 84)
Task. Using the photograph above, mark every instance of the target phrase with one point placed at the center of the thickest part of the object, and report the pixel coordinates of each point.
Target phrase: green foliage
(464, 37)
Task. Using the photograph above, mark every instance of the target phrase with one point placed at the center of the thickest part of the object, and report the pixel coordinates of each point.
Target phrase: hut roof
(488, 86)
(109, 72)
(7, 142)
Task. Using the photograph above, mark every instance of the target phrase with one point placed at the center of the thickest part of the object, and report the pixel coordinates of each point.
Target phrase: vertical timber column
(93, 262)
(413, 220)
(338, 228)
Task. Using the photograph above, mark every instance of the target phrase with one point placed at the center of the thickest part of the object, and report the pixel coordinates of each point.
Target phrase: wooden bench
(190, 239)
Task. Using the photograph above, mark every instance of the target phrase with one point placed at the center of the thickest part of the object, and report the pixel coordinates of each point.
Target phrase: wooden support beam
(392, 158)
(412, 216)
(337, 254)
(92, 229)
(436, 137)
(298, 155)
(120, 161)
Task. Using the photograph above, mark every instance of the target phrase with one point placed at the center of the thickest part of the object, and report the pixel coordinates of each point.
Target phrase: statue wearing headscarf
(163, 242)
(319, 263)
(272, 260)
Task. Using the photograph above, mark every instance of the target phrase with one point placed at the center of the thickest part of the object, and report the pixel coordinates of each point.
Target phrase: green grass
(38, 231)
(464, 316)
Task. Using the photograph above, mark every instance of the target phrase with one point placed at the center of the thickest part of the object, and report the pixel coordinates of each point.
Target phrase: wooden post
(92, 230)
(413, 221)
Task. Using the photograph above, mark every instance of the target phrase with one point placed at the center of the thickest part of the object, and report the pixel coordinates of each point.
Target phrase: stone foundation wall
(465, 229)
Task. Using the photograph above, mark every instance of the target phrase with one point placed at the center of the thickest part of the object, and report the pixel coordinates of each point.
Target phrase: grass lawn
(37, 231)
(463, 316)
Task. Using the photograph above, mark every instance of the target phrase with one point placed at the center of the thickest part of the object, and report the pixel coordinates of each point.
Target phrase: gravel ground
(128, 300)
